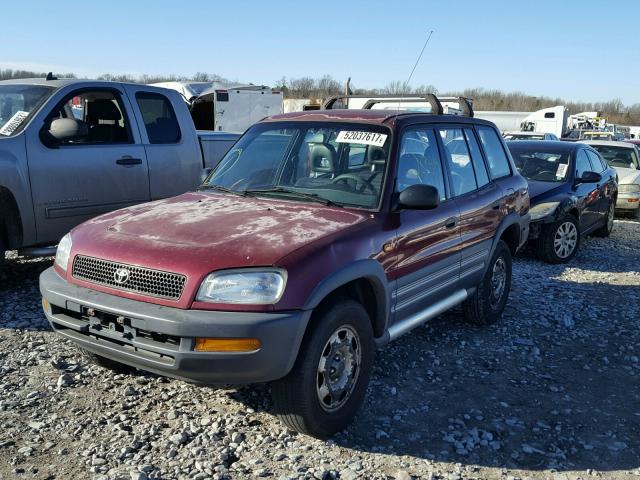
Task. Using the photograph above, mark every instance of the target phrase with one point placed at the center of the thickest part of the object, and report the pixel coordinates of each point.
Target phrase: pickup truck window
(159, 118)
(307, 161)
(101, 111)
(17, 105)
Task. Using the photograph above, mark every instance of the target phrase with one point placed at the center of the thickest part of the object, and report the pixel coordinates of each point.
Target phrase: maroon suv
(320, 237)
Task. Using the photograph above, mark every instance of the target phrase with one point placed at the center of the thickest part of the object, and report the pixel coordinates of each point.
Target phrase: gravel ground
(551, 391)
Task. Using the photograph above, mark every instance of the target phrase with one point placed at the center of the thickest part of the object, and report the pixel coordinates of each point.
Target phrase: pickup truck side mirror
(65, 129)
(204, 173)
(419, 197)
(589, 177)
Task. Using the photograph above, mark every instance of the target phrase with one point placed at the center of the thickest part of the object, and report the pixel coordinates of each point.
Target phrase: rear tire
(325, 388)
(607, 228)
(485, 306)
(559, 241)
(107, 363)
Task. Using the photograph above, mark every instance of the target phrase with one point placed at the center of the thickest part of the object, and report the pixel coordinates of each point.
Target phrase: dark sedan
(573, 193)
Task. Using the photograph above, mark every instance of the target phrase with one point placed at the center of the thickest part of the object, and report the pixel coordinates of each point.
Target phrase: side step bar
(434, 310)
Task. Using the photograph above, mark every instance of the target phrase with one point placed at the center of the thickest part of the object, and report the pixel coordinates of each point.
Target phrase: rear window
(159, 118)
(622, 157)
(496, 156)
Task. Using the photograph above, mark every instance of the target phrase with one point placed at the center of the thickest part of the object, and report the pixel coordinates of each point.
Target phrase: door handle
(451, 222)
(129, 161)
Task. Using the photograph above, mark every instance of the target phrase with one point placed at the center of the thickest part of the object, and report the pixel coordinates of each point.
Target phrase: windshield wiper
(314, 197)
(220, 188)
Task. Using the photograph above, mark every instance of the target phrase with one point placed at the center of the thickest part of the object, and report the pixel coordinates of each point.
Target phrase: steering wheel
(366, 185)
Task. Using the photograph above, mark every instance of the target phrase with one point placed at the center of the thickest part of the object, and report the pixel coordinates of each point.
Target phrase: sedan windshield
(622, 157)
(18, 103)
(542, 165)
(332, 163)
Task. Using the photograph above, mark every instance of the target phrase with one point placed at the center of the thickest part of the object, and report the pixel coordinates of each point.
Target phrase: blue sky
(586, 50)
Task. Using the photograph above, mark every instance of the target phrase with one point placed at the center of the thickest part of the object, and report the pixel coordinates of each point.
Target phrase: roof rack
(465, 105)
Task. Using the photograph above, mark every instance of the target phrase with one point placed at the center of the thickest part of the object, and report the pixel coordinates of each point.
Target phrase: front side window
(159, 118)
(18, 103)
(101, 114)
(597, 163)
(496, 157)
(482, 177)
(328, 162)
(582, 164)
(419, 161)
(463, 179)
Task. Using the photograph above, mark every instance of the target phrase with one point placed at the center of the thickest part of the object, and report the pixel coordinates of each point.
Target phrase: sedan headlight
(543, 210)
(246, 286)
(629, 188)
(63, 251)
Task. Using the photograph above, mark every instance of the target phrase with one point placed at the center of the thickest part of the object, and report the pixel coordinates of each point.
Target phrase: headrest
(102, 109)
(322, 159)
(376, 155)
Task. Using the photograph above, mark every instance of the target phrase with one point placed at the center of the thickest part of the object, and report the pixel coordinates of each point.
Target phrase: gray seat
(100, 111)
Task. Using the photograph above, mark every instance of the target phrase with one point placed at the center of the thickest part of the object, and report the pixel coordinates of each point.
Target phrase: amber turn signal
(227, 344)
(45, 305)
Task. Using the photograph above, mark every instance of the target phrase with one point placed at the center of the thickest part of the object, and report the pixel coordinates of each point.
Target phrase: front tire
(485, 306)
(559, 241)
(325, 388)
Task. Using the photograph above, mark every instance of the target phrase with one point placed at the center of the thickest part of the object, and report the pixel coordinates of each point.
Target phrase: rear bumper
(161, 339)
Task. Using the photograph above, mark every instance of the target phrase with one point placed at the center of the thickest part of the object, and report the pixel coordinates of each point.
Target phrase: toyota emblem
(121, 276)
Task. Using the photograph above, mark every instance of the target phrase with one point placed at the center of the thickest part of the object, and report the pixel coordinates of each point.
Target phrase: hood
(627, 175)
(538, 189)
(197, 233)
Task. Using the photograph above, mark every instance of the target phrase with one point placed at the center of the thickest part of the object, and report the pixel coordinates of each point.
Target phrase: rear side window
(496, 156)
(159, 118)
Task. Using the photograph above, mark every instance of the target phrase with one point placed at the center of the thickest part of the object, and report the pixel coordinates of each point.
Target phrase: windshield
(337, 163)
(515, 136)
(623, 157)
(18, 103)
(543, 165)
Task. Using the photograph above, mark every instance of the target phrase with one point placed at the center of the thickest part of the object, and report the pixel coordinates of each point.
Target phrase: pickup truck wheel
(559, 241)
(107, 363)
(485, 306)
(325, 388)
(607, 228)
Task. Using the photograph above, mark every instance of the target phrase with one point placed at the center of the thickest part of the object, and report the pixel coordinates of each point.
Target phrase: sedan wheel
(558, 242)
(565, 240)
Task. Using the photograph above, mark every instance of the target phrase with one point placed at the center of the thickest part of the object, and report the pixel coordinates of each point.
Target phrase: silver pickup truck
(73, 149)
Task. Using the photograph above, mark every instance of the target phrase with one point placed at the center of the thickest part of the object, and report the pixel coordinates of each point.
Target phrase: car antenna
(417, 61)
(50, 76)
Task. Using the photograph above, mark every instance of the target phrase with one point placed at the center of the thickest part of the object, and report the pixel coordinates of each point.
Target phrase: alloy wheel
(498, 281)
(565, 239)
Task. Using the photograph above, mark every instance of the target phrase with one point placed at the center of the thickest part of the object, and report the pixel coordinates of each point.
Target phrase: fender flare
(367, 269)
(509, 220)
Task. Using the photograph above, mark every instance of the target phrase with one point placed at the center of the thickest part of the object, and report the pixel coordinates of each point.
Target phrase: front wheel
(325, 388)
(559, 241)
(486, 304)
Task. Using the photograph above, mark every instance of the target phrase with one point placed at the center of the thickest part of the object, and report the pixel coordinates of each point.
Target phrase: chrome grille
(146, 281)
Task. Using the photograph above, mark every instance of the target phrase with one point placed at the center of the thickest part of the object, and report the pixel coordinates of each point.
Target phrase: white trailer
(227, 109)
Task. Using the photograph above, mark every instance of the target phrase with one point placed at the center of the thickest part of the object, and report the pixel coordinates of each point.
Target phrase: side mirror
(589, 177)
(204, 173)
(65, 129)
(419, 197)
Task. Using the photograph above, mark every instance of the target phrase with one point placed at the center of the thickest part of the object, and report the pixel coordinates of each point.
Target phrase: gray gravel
(552, 391)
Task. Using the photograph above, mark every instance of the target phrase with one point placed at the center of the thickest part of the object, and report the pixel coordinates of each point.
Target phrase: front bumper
(161, 339)
(628, 201)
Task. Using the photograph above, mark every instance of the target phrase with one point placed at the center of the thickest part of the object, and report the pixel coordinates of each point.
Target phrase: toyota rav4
(320, 237)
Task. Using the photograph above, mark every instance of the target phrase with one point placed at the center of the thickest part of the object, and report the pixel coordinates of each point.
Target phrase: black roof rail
(51, 76)
(465, 104)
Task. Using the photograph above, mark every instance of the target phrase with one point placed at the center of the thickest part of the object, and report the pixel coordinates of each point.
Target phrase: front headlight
(629, 188)
(247, 286)
(63, 251)
(543, 210)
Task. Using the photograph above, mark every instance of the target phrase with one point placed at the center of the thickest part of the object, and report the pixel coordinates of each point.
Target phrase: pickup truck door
(170, 141)
(101, 171)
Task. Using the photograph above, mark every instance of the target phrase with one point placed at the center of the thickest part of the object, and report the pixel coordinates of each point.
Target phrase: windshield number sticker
(13, 123)
(363, 138)
(562, 170)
